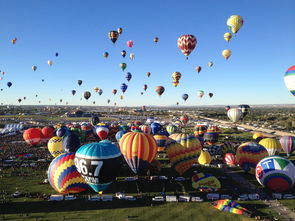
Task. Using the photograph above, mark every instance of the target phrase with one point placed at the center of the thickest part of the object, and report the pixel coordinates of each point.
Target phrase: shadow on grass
(67, 206)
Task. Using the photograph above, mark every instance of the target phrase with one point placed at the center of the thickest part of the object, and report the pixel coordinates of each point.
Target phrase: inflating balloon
(55, 146)
(32, 136)
(63, 175)
(98, 164)
(271, 145)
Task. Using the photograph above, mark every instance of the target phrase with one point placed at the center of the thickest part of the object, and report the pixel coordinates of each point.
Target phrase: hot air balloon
(184, 119)
(231, 206)
(87, 95)
(228, 147)
(123, 53)
(176, 76)
(114, 91)
(128, 76)
(102, 132)
(105, 54)
(183, 151)
(160, 90)
(184, 97)
(47, 133)
(70, 142)
(249, 154)
(63, 175)
(210, 95)
(113, 36)
(108, 101)
(210, 63)
(56, 54)
(198, 69)
(120, 134)
(187, 43)
(229, 159)
(123, 87)
(62, 131)
(204, 158)
(129, 43)
(200, 93)
(289, 79)
(98, 164)
(226, 53)
(245, 109)
(100, 91)
(175, 83)
(123, 66)
(96, 89)
(234, 114)
(271, 145)
(34, 68)
(161, 141)
(19, 100)
(234, 23)
(227, 36)
(139, 150)
(211, 138)
(146, 129)
(49, 62)
(13, 41)
(73, 92)
(9, 84)
(120, 30)
(205, 182)
(148, 74)
(145, 87)
(156, 127)
(32, 136)
(55, 146)
(227, 108)
(79, 82)
(276, 173)
(131, 56)
(288, 144)
(156, 39)
(200, 130)
(171, 129)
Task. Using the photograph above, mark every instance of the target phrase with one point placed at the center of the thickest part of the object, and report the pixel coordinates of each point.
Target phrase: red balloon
(102, 132)
(230, 159)
(187, 43)
(32, 136)
(47, 133)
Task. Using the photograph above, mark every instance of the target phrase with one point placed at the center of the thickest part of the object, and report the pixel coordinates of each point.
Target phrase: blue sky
(262, 51)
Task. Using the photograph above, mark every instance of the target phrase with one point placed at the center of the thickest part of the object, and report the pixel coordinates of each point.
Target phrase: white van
(56, 197)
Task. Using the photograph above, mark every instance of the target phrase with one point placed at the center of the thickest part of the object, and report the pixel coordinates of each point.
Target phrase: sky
(262, 51)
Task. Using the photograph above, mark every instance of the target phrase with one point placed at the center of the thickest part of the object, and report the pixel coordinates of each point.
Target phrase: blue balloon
(63, 131)
(9, 84)
(98, 163)
(164, 132)
(156, 127)
(120, 134)
(128, 76)
(124, 87)
(71, 142)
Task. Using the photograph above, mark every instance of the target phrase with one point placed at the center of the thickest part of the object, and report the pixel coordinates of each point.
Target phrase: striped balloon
(249, 154)
(214, 128)
(171, 129)
(55, 146)
(229, 159)
(138, 149)
(200, 130)
(289, 79)
(211, 138)
(186, 43)
(146, 129)
(63, 175)
(271, 145)
(228, 147)
(288, 144)
(161, 142)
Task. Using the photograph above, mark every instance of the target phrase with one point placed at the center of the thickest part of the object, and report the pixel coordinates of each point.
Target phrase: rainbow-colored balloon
(249, 154)
(63, 175)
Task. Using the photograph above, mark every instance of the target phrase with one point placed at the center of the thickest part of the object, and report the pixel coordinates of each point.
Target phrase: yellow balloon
(204, 158)
(226, 53)
(234, 23)
(227, 36)
(55, 146)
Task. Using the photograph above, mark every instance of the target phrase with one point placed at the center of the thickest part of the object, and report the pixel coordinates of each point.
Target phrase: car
(184, 198)
(277, 196)
(243, 197)
(56, 197)
(94, 198)
(179, 179)
(17, 194)
(196, 199)
(225, 196)
(254, 196)
(70, 197)
(158, 199)
(288, 196)
(163, 178)
(107, 198)
(130, 198)
(120, 195)
(131, 178)
(213, 196)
